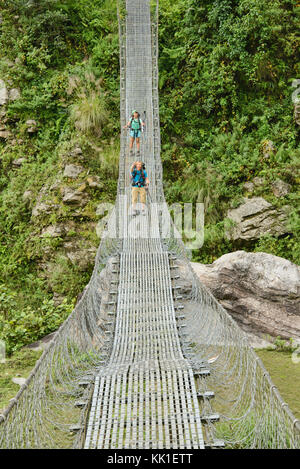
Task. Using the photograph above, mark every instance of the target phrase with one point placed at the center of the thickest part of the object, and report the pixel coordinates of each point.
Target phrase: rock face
(260, 291)
(256, 217)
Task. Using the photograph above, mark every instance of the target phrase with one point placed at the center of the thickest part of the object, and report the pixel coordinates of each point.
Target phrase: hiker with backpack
(139, 182)
(136, 126)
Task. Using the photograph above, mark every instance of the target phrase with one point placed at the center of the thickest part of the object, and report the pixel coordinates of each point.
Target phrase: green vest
(135, 124)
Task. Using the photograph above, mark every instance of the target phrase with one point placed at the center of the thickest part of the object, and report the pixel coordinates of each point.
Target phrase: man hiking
(136, 125)
(139, 182)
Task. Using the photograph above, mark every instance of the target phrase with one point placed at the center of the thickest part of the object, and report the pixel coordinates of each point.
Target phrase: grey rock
(17, 163)
(14, 94)
(94, 181)
(27, 196)
(77, 151)
(43, 205)
(55, 185)
(257, 181)
(79, 256)
(256, 217)
(74, 196)
(268, 148)
(5, 134)
(72, 171)
(52, 231)
(249, 186)
(42, 208)
(30, 122)
(19, 381)
(31, 126)
(3, 93)
(260, 291)
(280, 188)
(58, 298)
(41, 344)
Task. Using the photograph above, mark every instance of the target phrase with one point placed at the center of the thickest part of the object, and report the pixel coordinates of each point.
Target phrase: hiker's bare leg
(131, 143)
(138, 143)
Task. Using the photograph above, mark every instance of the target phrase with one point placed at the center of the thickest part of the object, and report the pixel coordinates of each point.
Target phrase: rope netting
(136, 365)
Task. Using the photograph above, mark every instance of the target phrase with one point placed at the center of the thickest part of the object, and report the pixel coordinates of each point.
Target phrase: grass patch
(19, 365)
(285, 375)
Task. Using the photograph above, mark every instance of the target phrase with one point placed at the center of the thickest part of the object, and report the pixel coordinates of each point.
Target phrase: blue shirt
(137, 176)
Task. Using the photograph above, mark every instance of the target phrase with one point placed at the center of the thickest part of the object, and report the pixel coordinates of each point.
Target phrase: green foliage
(109, 161)
(20, 364)
(283, 345)
(89, 111)
(226, 70)
(285, 374)
(63, 56)
(19, 327)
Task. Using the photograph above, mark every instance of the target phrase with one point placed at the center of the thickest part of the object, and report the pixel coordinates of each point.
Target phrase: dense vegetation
(63, 56)
(226, 70)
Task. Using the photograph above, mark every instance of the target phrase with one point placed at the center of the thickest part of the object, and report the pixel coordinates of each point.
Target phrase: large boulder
(260, 291)
(256, 217)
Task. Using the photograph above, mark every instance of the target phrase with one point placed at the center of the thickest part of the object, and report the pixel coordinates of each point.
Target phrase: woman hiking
(136, 125)
(139, 182)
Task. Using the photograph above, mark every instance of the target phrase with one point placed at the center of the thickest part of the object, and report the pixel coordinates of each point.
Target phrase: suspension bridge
(139, 364)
